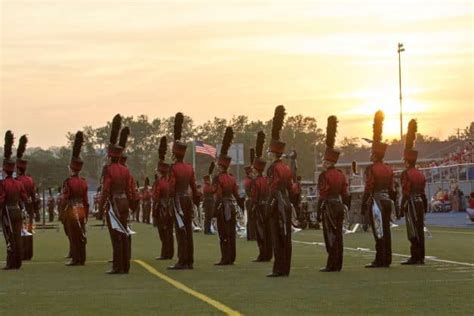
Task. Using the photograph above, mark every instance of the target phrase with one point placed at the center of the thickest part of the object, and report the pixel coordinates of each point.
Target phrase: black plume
(277, 123)
(50, 192)
(227, 140)
(211, 168)
(354, 167)
(116, 125)
(76, 147)
(124, 133)
(138, 184)
(252, 155)
(59, 189)
(178, 125)
(331, 131)
(377, 127)
(7, 150)
(162, 149)
(259, 144)
(21, 147)
(147, 181)
(411, 134)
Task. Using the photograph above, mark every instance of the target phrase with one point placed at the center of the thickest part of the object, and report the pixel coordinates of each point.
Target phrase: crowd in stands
(452, 200)
(461, 155)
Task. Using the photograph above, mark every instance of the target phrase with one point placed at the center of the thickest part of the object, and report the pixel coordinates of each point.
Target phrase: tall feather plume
(259, 144)
(227, 140)
(377, 127)
(252, 155)
(178, 125)
(7, 149)
(331, 131)
(50, 192)
(21, 147)
(124, 133)
(76, 147)
(147, 181)
(116, 125)
(162, 149)
(277, 123)
(411, 134)
(354, 167)
(211, 167)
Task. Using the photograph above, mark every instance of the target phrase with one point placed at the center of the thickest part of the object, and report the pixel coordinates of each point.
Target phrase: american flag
(205, 149)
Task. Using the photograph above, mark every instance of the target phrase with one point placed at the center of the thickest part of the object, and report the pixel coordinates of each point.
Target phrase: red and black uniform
(251, 219)
(76, 206)
(281, 184)
(208, 205)
(163, 218)
(414, 206)
(146, 204)
(379, 191)
(51, 205)
(181, 180)
(226, 193)
(117, 190)
(12, 193)
(260, 195)
(333, 195)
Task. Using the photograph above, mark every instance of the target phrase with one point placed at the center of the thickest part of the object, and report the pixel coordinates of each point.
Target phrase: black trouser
(51, 213)
(121, 243)
(165, 230)
(333, 217)
(383, 246)
(208, 207)
(417, 247)
(137, 213)
(146, 207)
(76, 230)
(226, 229)
(14, 254)
(282, 247)
(264, 233)
(184, 235)
(251, 221)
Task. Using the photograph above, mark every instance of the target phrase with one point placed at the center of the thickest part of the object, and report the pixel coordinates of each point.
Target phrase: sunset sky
(70, 63)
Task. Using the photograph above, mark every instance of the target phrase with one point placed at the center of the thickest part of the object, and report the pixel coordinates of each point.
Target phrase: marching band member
(181, 180)
(12, 194)
(208, 199)
(163, 214)
(76, 205)
(226, 193)
(117, 193)
(51, 204)
(31, 205)
(146, 201)
(248, 181)
(281, 183)
(379, 196)
(414, 202)
(260, 195)
(333, 195)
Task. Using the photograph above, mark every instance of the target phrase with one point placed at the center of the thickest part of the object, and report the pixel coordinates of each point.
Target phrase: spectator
(456, 197)
(470, 207)
(438, 200)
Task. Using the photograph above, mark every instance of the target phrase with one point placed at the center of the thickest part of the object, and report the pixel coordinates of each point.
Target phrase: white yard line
(367, 250)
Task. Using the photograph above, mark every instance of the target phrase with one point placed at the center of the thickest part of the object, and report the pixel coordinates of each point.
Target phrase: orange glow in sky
(66, 64)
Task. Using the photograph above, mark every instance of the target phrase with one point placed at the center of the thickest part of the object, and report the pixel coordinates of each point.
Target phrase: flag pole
(194, 155)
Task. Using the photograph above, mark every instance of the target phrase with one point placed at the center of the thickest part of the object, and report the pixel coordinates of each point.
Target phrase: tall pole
(194, 155)
(400, 49)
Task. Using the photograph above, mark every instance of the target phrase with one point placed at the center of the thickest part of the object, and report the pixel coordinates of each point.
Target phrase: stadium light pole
(400, 50)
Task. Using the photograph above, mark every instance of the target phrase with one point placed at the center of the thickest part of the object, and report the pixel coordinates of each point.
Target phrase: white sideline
(467, 264)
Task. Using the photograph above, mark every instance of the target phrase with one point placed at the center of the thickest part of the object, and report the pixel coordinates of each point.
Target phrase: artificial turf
(44, 286)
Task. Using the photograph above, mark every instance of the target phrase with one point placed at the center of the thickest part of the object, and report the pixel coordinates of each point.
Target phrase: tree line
(301, 133)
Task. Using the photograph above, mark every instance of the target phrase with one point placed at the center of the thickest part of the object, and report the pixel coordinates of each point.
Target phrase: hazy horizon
(76, 63)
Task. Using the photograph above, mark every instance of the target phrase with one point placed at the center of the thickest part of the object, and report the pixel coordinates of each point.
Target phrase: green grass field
(46, 286)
